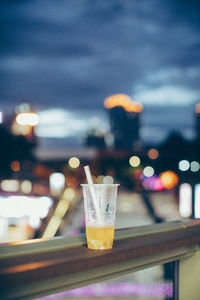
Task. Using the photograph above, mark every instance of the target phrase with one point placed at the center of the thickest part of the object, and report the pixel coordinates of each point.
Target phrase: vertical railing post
(189, 277)
(176, 281)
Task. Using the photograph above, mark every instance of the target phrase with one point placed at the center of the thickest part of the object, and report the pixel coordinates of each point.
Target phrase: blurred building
(18, 141)
(96, 141)
(124, 117)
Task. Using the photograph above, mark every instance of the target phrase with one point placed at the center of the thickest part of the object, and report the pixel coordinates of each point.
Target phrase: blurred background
(112, 84)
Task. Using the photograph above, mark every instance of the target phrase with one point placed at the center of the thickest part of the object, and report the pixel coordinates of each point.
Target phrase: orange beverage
(100, 237)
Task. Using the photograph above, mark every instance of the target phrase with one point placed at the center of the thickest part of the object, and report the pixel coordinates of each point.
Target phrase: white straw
(91, 187)
(88, 175)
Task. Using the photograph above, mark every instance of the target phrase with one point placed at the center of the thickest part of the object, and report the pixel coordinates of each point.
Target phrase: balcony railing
(40, 267)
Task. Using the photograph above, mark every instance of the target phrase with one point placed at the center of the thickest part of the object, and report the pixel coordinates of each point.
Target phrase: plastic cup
(100, 225)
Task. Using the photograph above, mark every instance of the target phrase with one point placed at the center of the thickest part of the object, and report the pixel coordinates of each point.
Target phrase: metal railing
(40, 267)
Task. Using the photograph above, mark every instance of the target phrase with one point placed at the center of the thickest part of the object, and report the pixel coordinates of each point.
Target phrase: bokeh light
(18, 129)
(153, 153)
(69, 194)
(124, 101)
(27, 118)
(52, 226)
(158, 186)
(34, 221)
(185, 200)
(15, 166)
(57, 181)
(62, 208)
(10, 185)
(138, 173)
(197, 108)
(134, 161)
(184, 165)
(74, 162)
(99, 179)
(194, 166)
(153, 183)
(22, 107)
(148, 171)
(26, 186)
(19, 206)
(108, 180)
(94, 179)
(169, 179)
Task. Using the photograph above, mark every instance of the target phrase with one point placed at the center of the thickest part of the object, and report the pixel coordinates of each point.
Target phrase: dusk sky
(66, 57)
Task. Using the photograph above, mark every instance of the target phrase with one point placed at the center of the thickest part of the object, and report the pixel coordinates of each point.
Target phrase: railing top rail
(34, 246)
(40, 267)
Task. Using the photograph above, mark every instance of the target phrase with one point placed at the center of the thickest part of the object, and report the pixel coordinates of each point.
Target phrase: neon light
(161, 290)
(153, 183)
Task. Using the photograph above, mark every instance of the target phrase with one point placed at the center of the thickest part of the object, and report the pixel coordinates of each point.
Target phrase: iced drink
(100, 237)
(100, 225)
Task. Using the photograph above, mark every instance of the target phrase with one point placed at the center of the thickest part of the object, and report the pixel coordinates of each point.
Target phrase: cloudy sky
(68, 56)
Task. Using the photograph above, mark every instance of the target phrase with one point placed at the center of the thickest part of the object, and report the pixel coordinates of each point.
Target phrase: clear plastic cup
(100, 224)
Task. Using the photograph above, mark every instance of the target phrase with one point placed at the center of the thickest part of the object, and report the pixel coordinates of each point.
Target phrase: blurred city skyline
(65, 58)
